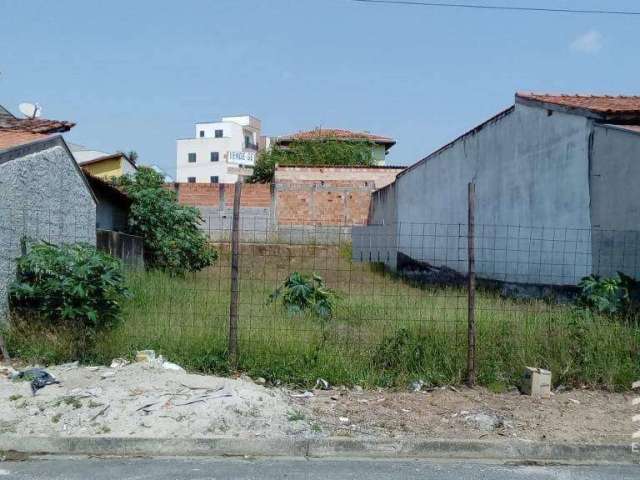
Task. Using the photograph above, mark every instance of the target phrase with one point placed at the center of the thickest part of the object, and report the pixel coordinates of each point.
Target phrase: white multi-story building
(220, 151)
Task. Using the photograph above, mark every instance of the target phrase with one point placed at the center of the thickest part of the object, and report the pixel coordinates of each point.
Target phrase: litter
(119, 362)
(344, 420)
(39, 378)
(306, 394)
(322, 384)
(172, 366)
(145, 356)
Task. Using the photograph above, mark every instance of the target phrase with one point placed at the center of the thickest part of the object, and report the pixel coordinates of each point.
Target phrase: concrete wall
(531, 173)
(43, 196)
(615, 200)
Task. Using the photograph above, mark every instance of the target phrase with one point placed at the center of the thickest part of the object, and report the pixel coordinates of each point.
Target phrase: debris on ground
(119, 363)
(322, 384)
(466, 413)
(536, 382)
(38, 377)
(144, 400)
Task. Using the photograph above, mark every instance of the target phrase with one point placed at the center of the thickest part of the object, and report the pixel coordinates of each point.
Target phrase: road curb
(516, 451)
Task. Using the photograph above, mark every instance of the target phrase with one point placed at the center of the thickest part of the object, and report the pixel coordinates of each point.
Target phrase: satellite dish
(30, 110)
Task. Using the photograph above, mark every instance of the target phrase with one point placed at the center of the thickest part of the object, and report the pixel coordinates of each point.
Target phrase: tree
(312, 152)
(172, 239)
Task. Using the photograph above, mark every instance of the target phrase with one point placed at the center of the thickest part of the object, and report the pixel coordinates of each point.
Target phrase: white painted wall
(233, 140)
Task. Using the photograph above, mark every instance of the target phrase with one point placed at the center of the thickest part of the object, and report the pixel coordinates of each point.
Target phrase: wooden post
(471, 289)
(235, 290)
(3, 350)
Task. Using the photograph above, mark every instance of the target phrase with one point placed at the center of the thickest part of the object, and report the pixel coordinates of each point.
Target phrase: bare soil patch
(582, 416)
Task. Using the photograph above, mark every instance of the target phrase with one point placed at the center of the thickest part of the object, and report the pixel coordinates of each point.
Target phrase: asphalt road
(61, 468)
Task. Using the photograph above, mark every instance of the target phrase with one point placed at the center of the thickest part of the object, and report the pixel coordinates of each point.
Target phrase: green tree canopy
(172, 239)
(312, 152)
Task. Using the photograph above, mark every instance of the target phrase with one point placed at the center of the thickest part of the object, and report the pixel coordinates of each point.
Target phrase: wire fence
(397, 300)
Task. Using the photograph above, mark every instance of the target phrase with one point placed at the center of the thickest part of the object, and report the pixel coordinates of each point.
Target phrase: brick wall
(327, 196)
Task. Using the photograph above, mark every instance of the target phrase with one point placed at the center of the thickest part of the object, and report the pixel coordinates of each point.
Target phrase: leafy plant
(603, 295)
(301, 292)
(312, 152)
(172, 240)
(69, 284)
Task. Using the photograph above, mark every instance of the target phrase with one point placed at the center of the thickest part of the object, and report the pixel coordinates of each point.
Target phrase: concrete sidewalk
(518, 451)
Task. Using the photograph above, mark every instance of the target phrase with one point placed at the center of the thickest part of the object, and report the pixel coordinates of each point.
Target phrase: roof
(18, 131)
(104, 189)
(336, 134)
(605, 107)
(111, 156)
(11, 138)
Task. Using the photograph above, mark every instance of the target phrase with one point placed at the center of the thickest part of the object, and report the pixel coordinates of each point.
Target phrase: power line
(500, 7)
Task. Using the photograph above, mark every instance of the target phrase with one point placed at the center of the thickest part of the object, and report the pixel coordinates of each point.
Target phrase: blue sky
(138, 74)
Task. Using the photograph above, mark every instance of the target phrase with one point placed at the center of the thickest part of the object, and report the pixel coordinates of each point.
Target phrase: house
(379, 145)
(57, 207)
(102, 164)
(16, 131)
(219, 152)
(113, 205)
(557, 181)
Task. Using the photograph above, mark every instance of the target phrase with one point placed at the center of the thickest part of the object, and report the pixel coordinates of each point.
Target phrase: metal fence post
(235, 257)
(471, 289)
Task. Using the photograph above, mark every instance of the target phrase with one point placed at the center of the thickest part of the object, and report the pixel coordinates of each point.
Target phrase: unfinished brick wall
(299, 195)
(218, 194)
(328, 195)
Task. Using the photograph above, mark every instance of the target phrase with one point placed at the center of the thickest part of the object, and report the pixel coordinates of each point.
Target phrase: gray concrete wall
(615, 200)
(43, 196)
(531, 170)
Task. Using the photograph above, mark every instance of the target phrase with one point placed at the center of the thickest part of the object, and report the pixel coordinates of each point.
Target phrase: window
(191, 179)
(218, 133)
(202, 133)
(215, 156)
(214, 179)
(192, 158)
(247, 141)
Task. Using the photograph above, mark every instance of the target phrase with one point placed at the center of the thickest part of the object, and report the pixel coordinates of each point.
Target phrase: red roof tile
(604, 104)
(35, 125)
(13, 138)
(334, 133)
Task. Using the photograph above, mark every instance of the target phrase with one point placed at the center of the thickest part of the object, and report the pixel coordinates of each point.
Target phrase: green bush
(69, 285)
(172, 240)
(312, 152)
(302, 292)
(604, 295)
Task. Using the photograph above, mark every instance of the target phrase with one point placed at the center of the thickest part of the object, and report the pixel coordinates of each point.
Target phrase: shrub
(616, 295)
(302, 292)
(312, 152)
(172, 240)
(69, 284)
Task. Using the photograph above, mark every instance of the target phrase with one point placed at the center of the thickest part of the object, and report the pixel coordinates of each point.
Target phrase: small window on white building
(214, 179)
(218, 133)
(201, 133)
(192, 158)
(191, 179)
(215, 156)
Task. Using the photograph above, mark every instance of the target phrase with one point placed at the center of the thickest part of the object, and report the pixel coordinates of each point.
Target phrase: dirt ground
(581, 416)
(146, 400)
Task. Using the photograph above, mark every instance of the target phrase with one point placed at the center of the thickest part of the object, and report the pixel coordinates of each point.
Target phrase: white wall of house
(232, 135)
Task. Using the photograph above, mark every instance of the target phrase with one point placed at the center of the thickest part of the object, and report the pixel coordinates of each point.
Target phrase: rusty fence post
(235, 277)
(471, 289)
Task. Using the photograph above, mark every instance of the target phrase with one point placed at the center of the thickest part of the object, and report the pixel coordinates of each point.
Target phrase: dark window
(218, 133)
(202, 133)
(214, 179)
(191, 179)
(215, 156)
(192, 158)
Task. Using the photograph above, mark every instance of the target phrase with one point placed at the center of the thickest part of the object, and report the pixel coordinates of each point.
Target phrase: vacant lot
(385, 331)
